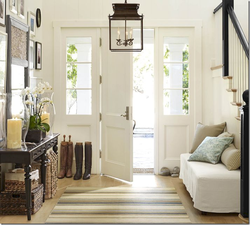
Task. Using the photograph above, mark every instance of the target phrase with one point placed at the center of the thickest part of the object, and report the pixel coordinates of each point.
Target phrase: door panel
(77, 89)
(176, 94)
(117, 153)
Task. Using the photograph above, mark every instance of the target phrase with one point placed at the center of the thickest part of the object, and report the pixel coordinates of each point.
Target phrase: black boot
(88, 160)
(69, 159)
(79, 159)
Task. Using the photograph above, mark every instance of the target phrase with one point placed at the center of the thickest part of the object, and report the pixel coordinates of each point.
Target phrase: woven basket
(14, 203)
(15, 185)
(51, 174)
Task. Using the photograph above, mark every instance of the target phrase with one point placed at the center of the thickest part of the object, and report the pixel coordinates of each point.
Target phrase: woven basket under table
(15, 185)
(14, 203)
(51, 174)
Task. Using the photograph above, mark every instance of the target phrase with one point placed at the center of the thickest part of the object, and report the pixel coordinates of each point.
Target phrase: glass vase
(25, 116)
(49, 111)
(18, 121)
(2, 120)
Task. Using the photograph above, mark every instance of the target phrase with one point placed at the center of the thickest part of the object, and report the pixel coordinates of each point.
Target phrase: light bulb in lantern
(118, 34)
(131, 33)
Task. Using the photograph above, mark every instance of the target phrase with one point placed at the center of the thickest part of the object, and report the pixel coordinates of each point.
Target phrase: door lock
(126, 115)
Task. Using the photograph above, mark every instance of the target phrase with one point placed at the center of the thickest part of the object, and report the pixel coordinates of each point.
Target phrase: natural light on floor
(143, 105)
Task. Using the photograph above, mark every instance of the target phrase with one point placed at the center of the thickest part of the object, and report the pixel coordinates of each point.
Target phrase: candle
(45, 117)
(126, 35)
(118, 34)
(131, 32)
(14, 133)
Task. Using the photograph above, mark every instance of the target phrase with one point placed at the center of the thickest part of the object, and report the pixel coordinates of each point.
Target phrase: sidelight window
(176, 76)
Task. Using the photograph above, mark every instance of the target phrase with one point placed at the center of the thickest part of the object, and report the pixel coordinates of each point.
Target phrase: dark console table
(27, 157)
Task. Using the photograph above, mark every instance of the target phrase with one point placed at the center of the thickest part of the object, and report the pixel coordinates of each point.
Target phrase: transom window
(79, 76)
(176, 76)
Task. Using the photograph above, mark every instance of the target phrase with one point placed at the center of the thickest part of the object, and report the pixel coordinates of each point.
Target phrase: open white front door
(117, 132)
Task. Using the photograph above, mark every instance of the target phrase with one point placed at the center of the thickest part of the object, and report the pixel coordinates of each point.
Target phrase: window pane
(79, 49)
(2, 76)
(175, 49)
(78, 75)
(176, 75)
(176, 102)
(17, 77)
(78, 102)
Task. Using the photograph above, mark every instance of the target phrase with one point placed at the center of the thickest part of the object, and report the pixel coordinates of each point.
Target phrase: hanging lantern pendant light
(127, 13)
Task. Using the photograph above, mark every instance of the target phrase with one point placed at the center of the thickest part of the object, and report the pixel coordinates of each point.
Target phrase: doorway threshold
(143, 170)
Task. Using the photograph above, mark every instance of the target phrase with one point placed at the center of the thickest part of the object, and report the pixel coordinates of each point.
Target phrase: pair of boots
(79, 160)
(66, 158)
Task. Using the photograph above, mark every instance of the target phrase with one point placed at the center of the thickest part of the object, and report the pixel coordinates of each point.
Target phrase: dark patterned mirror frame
(17, 51)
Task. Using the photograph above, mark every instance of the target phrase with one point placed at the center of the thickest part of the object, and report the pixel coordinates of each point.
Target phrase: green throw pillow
(210, 149)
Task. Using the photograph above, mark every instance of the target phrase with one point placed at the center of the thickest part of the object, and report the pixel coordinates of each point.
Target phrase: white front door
(176, 91)
(117, 132)
(76, 84)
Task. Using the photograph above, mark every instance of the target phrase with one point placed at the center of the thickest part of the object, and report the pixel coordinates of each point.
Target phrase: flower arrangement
(36, 104)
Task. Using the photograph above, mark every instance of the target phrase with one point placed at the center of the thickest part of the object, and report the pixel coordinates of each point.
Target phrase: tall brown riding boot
(69, 159)
(79, 159)
(63, 158)
(88, 160)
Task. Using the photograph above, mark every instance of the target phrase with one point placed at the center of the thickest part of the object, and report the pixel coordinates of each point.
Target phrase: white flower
(23, 92)
(40, 91)
(45, 99)
(35, 91)
(27, 90)
(29, 102)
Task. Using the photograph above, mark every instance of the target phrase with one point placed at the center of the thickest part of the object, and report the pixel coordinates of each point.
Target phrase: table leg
(43, 173)
(27, 175)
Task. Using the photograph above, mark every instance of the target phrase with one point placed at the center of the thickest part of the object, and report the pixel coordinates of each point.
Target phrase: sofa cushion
(210, 149)
(202, 131)
(231, 158)
(225, 134)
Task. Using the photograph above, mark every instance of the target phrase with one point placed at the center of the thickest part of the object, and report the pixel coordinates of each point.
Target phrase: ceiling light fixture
(125, 28)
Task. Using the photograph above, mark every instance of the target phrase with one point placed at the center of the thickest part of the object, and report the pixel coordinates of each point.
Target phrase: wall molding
(147, 23)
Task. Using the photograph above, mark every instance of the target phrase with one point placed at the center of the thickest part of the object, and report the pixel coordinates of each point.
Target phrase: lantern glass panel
(126, 40)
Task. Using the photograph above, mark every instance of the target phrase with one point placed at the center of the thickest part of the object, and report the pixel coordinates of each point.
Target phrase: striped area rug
(119, 205)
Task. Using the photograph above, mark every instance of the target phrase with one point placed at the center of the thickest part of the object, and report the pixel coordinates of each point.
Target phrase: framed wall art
(32, 23)
(13, 6)
(20, 8)
(38, 63)
(2, 12)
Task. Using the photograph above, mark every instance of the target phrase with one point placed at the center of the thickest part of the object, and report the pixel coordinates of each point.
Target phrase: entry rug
(119, 205)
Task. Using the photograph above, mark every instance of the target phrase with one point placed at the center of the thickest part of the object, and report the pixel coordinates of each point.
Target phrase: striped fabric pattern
(119, 205)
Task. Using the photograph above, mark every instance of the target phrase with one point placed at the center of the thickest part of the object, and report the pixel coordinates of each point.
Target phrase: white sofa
(213, 188)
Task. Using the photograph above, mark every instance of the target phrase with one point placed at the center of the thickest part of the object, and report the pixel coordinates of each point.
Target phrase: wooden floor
(139, 181)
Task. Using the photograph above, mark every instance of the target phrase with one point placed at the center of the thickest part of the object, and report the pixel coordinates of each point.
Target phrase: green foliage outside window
(141, 66)
(72, 72)
(185, 77)
(185, 99)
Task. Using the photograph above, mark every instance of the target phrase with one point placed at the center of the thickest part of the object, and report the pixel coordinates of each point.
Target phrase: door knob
(126, 115)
